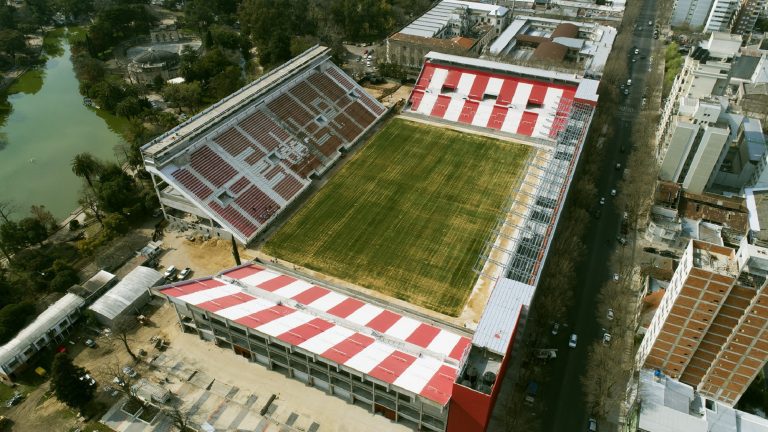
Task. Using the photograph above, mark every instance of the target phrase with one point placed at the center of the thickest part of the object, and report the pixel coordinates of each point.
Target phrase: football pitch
(408, 215)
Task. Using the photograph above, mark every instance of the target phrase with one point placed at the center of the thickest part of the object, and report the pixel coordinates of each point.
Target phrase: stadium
(439, 224)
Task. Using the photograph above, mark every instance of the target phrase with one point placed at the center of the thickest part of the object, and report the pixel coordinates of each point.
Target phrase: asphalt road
(564, 399)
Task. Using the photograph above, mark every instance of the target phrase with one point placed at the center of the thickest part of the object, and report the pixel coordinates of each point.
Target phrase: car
(615, 277)
(602, 201)
(129, 371)
(118, 381)
(88, 379)
(650, 249)
(572, 341)
(637, 51)
(597, 214)
(622, 241)
(656, 36)
(606, 338)
(650, 23)
(613, 192)
(555, 328)
(170, 272)
(626, 92)
(592, 425)
(610, 314)
(629, 82)
(90, 343)
(184, 273)
(634, 59)
(15, 399)
(618, 167)
(667, 254)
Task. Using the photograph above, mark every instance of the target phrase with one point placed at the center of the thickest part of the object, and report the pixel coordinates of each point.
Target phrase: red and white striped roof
(503, 102)
(385, 345)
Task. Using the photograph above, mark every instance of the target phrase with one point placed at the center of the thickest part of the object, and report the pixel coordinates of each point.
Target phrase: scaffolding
(518, 244)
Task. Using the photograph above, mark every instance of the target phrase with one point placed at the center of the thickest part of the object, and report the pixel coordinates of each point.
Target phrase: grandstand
(393, 364)
(233, 167)
(551, 111)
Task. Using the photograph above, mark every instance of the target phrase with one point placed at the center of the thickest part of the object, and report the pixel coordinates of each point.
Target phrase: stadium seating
(256, 163)
(492, 100)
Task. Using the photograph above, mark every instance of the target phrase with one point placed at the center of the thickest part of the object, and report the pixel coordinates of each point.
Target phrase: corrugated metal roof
(504, 67)
(429, 24)
(587, 90)
(122, 295)
(497, 325)
(44, 322)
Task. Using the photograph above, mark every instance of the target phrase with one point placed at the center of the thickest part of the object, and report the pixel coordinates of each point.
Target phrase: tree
(12, 42)
(129, 107)
(13, 318)
(45, 217)
(12, 238)
(181, 419)
(67, 383)
(184, 95)
(34, 230)
(86, 166)
(90, 204)
(121, 327)
(65, 276)
(6, 210)
(227, 82)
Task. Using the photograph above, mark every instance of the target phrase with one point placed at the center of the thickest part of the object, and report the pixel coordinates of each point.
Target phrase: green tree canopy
(13, 318)
(67, 385)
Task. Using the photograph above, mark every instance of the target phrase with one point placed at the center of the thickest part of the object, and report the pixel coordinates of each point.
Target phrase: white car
(555, 329)
(615, 277)
(606, 338)
(610, 314)
(129, 371)
(592, 426)
(602, 200)
(613, 192)
(572, 341)
(170, 272)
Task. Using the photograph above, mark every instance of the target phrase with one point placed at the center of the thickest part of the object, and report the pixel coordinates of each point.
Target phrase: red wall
(471, 410)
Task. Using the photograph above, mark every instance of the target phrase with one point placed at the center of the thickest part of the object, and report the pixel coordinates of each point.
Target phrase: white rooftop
(667, 405)
(434, 20)
(503, 67)
(497, 325)
(44, 322)
(122, 295)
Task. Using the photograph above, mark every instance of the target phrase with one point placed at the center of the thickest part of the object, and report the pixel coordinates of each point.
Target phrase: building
(747, 17)
(50, 327)
(94, 287)
(570, 45)
(666, 405)
(152, 63)
(679, 216)
(417, 371)
(234, 167)
(127, 296)
(706, 15)
(711, 328)
(452, 27)
(367, 353)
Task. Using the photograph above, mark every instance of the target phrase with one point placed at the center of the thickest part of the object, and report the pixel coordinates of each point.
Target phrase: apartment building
(711, 328)
(747, 16)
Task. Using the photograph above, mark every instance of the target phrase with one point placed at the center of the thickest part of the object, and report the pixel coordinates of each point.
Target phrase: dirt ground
(204, 257)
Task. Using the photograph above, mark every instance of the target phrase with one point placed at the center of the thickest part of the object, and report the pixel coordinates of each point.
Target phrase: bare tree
(7, 208)
(181, 419)
(113, 371)
(90, 204)
(121, 328)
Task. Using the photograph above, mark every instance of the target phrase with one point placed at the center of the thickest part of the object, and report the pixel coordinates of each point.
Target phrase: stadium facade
(233, 168)
(429, 375)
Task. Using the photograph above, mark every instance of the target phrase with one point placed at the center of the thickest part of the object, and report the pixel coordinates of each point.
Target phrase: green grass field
(407, 216)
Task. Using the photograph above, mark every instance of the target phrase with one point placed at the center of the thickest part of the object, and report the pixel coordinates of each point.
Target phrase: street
(563, 397)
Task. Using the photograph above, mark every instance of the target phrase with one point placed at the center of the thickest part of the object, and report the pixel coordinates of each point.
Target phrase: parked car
(88, 379)
(118, 381)
(592, 425)
(555, 328)
(170, 272)
(602, 200)
(613, 192)
(606, 338)
(610, 314)
(15, 399)
(184, 273)
(622, 241)
(129, 371)
(615, 277)
(572, 341)
(90, 343)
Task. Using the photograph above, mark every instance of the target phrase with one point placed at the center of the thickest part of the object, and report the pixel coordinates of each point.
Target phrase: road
(564, 400)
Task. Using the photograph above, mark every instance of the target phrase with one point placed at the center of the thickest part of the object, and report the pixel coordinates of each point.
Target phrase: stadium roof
(220, 110)
(396, 349)
(497, 325)
(125, 293)
(434, 20)
(533, 73)
(40, 326)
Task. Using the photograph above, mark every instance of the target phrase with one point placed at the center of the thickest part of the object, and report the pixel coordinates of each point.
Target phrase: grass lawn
(407, 216)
